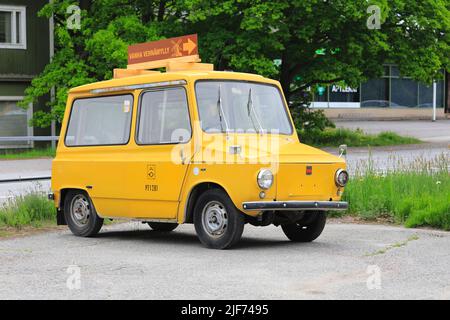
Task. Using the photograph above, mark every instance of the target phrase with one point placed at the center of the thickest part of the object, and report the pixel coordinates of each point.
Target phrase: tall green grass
(31, 209)
(416, 194)
(28, 154)
(353, 138)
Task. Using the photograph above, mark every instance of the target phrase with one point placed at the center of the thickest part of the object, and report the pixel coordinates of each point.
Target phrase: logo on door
(151, 171)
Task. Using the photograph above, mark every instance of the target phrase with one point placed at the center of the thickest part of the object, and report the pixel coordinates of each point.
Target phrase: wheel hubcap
(214, 218)
(80, 210)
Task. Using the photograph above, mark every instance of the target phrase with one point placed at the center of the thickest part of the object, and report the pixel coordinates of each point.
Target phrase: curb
(26, 179)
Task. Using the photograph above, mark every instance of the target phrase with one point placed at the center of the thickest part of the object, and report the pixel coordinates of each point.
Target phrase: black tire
(307, 229)
(163, 226)
(229, 221)
(80, 214)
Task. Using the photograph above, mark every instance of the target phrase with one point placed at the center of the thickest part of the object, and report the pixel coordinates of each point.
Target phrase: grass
(32, 209)
(354, 138)
(393, 246)
(28, 154)
(29, 213)
(415, 195)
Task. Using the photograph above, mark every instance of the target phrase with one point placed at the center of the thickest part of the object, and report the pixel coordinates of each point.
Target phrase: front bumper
(294, 205)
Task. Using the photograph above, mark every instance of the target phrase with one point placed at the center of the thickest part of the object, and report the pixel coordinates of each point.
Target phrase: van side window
(164, 117)
(100, 121)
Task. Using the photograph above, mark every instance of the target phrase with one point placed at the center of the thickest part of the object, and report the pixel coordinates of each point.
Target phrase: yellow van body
(161, 182)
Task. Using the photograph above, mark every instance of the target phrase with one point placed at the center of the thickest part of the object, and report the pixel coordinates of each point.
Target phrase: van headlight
(265, 179)
(341, 178)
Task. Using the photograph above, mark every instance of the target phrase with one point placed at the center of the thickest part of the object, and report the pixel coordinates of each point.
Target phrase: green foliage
(318, 42)
(417, 197)
(28, 154)
(86, 55)
(353, 138)
(308, 121)
(28, 210)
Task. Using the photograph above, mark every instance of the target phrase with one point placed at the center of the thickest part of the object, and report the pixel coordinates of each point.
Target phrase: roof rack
(188, 63)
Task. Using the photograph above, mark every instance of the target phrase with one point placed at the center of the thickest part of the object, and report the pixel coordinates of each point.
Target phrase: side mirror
(342, 150)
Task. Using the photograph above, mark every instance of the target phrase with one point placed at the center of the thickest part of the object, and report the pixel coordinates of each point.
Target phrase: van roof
(172, 76)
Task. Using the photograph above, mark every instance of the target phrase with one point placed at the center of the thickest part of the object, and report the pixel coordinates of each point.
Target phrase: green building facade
(25, 45)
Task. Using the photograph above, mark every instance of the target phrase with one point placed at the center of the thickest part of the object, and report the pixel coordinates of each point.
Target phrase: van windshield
(238, 106)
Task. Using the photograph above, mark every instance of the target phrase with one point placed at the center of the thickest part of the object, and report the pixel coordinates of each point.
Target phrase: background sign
(163, 49)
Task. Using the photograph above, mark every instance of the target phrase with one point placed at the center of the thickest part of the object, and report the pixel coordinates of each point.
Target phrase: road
(388, 158)
(19, 169)
(383, 158)
(129, 261)
(15, 169)
(436, 136)
(428, 131)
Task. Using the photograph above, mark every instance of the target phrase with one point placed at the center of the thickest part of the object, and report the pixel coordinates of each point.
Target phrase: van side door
(163, 129)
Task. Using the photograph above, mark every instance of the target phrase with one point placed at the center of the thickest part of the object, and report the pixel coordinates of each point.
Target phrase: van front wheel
(80, 214)
(219, 225)
(307, 229)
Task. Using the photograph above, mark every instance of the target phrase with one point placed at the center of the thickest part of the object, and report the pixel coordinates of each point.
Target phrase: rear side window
(164, 117)
(100, 121)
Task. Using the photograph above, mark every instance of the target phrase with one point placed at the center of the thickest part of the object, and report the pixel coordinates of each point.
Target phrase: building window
(392, 90)
(14, 123)
(404, 92)
(396, 91)
(13, 27)
(375, 93)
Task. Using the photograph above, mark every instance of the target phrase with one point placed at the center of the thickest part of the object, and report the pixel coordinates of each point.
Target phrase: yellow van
(216, 149)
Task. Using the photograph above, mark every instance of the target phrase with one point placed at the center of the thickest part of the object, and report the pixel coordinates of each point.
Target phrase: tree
(90, 53)
(321, 42)
(317, 41)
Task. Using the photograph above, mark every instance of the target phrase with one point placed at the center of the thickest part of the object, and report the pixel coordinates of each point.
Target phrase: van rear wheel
(163, 226)
(219, 225)
(80, 214)
(307, 229)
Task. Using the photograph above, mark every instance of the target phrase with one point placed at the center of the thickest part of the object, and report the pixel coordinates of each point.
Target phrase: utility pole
(434, 101)
(52, 53)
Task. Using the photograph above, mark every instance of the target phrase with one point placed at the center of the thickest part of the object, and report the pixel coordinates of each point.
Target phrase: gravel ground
(127, 261)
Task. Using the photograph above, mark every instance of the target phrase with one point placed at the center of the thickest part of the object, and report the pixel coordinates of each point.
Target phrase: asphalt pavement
(428, 131)
(130, 261)
(25, 168)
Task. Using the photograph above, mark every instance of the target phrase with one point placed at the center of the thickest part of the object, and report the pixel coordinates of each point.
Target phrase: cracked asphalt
(130, 261)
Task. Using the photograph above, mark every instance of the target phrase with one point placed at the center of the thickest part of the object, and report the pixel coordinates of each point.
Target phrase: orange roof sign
(174, 54)
(172, 48)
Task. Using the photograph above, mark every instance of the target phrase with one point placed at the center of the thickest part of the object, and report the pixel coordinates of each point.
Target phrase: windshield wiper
(222, 117)
(251, 110)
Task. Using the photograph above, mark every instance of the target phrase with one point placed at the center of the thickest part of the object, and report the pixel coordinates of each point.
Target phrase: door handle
(182, 156)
